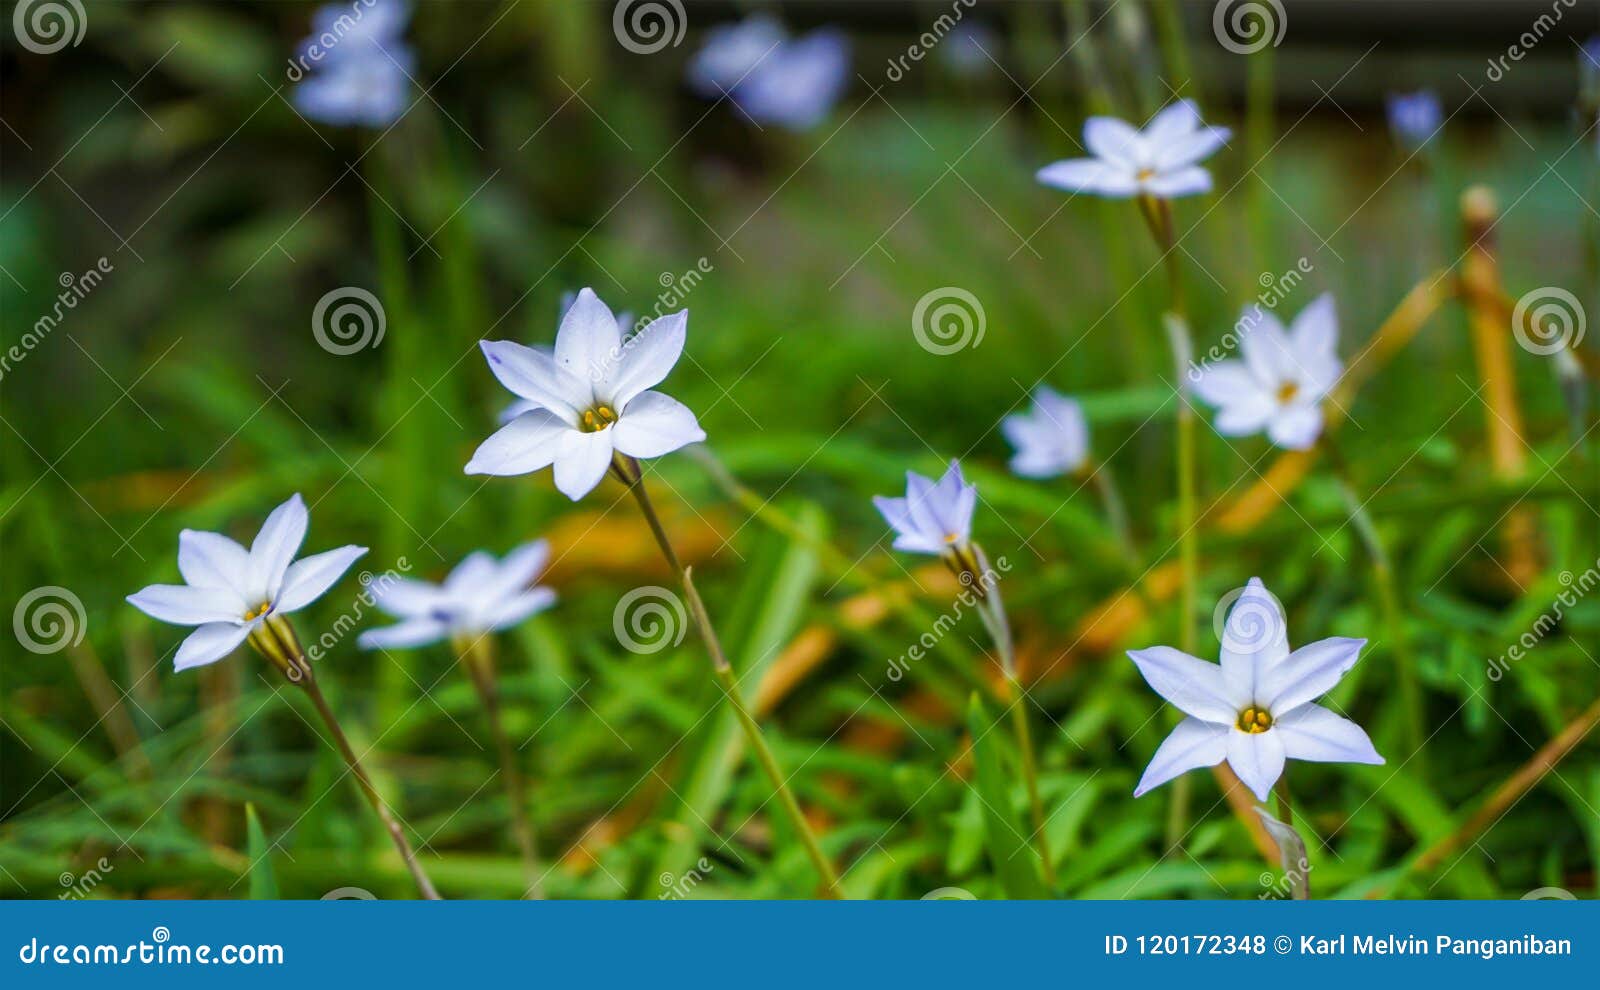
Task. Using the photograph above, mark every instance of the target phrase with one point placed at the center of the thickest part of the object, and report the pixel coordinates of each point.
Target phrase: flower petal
(211, 560)
(528, 443)
(183, 605)
(1113, 140)
(208, 644)
(1314, 733)
(1089, 175)
(654, 424)
(518, 569)
(307, 580)
(1188, 181)
(954, 503)
(1308, 673)
(1267, 352)
(535, 376)
(1245, 417)
(647, 357)
(402, 635)
(1193, 744)
(1193, 685)
(1187, 149)
(405, 597)
(1173, 121)
(582, 461)
(275, 546)
(1296, 427)
(514, 610)
(588, 342)
(1257, 758)
(1255, 639)
(1315, 330)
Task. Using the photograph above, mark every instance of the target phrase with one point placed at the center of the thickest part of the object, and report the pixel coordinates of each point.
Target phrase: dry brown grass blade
(1481, 293)
(1504, 796)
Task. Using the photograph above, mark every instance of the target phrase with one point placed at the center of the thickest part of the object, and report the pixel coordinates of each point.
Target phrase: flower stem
(630, 474)
(975, 571)
(1295, 868)
(1116, 511)
(477, 656)
(278, 638)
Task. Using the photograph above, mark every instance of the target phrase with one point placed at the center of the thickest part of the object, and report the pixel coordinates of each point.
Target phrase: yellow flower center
(1287, 391)
(1145, 173)
(596, 419)
(258, 611)
(1254, 720)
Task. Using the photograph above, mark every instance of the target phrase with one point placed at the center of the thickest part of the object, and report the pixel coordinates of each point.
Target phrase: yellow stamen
(1287, 391)
(596, 419)
(1254, 720)
(258, 611)
(1145, 173)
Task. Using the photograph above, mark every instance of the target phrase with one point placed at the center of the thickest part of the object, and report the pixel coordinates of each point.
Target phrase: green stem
(1017, 704)
(477, 656)
(1294, 872)
(1116, 510)
(629, 473)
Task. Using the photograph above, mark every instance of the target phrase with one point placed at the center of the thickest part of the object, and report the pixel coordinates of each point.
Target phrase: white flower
(1282, 380)
(932, 518)
(1159, 161)
(359, 64)
(481, 595)
(593, 398)
(773, 79)
(231, 590)
(1255, 709)
(520, 406)
(1051, 440)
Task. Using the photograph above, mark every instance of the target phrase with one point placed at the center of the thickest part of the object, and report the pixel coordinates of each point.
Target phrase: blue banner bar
(802, 944)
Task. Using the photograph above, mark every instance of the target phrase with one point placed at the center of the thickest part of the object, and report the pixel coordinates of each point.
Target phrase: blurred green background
(539, 155)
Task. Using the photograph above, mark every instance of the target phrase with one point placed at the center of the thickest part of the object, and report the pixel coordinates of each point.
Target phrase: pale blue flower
(773, 79)
(1414, 117)
(594, 398)
(520, 406)
(229, 591)
(1255, 710)
(1051, 439)
(1280, 383)
(933, 518)
(359, 65)
(1161, 160)
(481, 595)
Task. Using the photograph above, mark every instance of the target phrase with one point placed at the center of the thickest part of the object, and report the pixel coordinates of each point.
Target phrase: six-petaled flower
(481, 595)
(1160, 161)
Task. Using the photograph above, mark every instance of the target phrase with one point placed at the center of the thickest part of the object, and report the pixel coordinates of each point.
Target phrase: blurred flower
(481, 595)
(1051, 440)
(1159, 161)
(1414, 117)
(1254, 709)
(932, 518)
(520, 406)
(360, 65)
(592, 398)
(732, 52)
(230, 590)
(1589, 72)
(971, 49)
(793, 84)
(1282, 380)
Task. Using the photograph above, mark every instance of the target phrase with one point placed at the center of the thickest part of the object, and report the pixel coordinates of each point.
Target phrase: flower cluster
(791, 82)
(360, 64)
